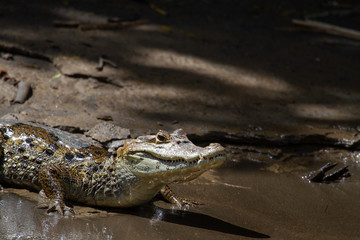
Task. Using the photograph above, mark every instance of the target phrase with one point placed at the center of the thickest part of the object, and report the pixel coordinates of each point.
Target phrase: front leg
(49, 177)
(170, 196)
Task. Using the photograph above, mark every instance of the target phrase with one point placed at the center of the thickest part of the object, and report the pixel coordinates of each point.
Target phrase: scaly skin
(68, 168)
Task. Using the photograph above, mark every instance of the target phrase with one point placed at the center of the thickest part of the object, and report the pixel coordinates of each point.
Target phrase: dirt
(282, 99)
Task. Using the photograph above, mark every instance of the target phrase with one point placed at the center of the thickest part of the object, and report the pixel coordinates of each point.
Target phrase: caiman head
(168, 158)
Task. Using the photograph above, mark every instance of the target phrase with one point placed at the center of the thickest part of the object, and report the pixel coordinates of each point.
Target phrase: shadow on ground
(234, 59)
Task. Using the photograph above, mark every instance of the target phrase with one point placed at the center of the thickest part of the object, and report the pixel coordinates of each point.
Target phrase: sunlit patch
(323, 112)
(229, 74)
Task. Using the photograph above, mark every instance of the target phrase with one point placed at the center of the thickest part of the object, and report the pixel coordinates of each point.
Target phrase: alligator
(68, 168)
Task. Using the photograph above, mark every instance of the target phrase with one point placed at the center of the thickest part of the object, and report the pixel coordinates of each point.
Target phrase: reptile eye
(162, 136)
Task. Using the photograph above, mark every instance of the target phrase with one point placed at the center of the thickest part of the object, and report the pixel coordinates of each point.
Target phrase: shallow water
(240, 200)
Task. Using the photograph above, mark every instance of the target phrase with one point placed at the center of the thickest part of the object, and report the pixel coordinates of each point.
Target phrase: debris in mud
(55, 81)
(104, 117)
(11, 49)
(7, 56)
(8, 79)
(320, 176)
(77, 67)
(11, 81)
(24, 88)
(102, 61)
(34, 66)
(23, 93)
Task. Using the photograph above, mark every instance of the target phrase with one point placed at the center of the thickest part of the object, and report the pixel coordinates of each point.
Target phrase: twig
(102, 61)
(343, 172)
(24, 52)
(328, 28)
(320, 176)
(23, 93)
(104, 117)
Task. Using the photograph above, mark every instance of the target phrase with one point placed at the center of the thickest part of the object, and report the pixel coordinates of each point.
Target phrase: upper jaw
(177, 167)
(172, 151)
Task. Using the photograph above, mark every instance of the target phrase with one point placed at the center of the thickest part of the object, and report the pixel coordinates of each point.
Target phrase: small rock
(105, 132)
(114, 145)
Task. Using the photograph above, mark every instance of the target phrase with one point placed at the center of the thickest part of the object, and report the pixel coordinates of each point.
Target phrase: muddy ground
(283, 100)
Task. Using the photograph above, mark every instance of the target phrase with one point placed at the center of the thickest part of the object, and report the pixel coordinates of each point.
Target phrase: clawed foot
(185, 203)
(180, 202)
(320, 176)
(58, 206)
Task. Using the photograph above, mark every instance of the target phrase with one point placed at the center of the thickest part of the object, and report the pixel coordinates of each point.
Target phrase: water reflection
(19, 219)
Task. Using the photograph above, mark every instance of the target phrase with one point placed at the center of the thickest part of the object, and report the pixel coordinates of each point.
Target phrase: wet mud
(241, 200)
